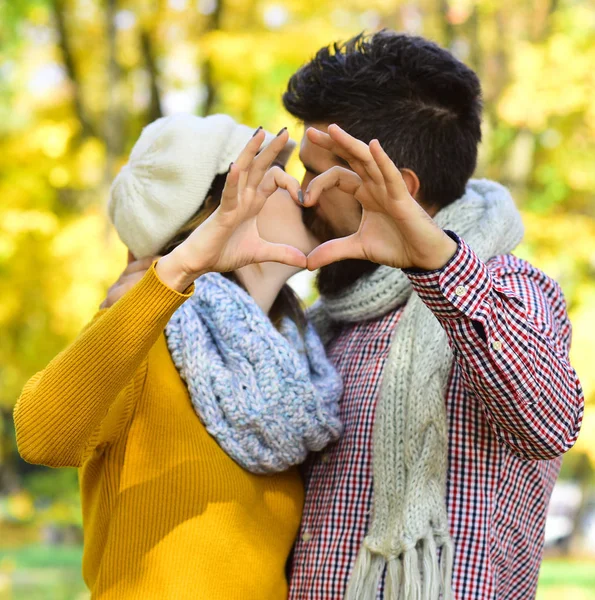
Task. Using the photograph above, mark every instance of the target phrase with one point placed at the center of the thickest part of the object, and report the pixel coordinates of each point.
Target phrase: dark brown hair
(417, 99)
(287, 303)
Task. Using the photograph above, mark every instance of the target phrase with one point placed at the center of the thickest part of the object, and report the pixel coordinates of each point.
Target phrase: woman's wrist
(174, 274)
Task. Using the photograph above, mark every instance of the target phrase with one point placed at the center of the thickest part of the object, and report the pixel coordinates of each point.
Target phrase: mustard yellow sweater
(167, 514)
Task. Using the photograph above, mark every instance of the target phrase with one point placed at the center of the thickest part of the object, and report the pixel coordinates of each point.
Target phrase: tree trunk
(115, 115)
(59, 10)
(155, 109)
(207, 67)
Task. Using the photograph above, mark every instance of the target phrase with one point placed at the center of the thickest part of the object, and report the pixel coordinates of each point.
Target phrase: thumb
(281, 253)
(335, 250)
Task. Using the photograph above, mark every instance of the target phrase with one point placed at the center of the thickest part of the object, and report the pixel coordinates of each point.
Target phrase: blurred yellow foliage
(20, 506)
(79, 80)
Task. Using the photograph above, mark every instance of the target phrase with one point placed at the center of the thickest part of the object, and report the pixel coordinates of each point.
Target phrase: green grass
(566, 579)
(556, 572)
(41, 572)
(38, 556)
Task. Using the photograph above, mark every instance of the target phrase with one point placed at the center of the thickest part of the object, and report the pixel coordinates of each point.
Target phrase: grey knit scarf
(268, 397)
(408, 532)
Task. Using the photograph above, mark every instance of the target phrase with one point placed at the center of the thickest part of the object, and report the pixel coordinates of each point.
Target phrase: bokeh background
(80, 78)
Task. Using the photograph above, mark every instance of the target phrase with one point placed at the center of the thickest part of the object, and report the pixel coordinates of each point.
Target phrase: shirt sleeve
(509, 331)
(67, 407)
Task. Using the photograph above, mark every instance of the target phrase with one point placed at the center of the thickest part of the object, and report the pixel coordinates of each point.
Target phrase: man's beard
(335, 278)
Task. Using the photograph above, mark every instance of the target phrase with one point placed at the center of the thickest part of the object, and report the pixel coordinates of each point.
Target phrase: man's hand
(394, 230)
(131, 275)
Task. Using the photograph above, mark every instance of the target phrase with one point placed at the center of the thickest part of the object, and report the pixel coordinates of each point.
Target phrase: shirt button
(306, 536)
(497, 345)
(325, 458)
(461, 290)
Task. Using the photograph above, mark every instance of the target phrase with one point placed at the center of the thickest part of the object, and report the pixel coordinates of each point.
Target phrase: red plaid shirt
(514, 406)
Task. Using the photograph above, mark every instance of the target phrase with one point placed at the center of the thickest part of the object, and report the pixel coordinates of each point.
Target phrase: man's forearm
(515, 361)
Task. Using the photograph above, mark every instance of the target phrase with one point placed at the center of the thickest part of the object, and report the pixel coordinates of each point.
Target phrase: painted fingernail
(259, 128)
(230, 166)
(301, 196)
(284, 129)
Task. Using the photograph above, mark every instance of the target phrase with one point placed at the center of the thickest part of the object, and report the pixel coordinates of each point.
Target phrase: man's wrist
(441, 254)
(444, 253)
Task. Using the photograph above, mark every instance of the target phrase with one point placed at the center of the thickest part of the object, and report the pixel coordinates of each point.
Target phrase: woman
(172, 432)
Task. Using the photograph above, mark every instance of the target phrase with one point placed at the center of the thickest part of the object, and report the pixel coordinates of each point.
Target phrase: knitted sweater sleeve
(507, 325)
(68, 408)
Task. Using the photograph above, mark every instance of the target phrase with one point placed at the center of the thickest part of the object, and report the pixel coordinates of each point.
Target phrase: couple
(433, 425)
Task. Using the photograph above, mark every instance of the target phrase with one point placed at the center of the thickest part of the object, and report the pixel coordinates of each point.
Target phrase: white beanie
(169, 173)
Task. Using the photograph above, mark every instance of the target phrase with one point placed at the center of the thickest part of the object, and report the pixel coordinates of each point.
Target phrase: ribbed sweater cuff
(158, 302)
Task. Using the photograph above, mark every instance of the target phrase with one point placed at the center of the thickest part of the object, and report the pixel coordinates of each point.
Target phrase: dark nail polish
(301, 196)
(284, 129)
(230, 166)
(257, 131)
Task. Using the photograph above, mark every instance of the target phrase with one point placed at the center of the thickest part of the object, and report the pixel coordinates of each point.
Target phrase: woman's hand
(132, 274)
(394, 229)
(229, 238)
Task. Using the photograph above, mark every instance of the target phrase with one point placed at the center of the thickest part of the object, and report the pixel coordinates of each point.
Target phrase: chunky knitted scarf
(267, 397)
(408, 532)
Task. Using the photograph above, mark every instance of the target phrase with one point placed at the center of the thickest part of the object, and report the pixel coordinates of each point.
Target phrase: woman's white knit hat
(169, 173)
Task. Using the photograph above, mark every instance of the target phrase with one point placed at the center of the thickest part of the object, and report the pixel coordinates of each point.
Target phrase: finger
(324, 140)
(354, 149)
(320, 138)
(274, 179)
(265, 159)
(130, 257)
(116, 292)
(335, 177)
(139, 265)
(129, 282)
(250, 150)
(395, 184)
(335, 250)
(229, 196)
(281, 253)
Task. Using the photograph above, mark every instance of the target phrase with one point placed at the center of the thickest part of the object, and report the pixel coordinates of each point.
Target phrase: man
(459, 397)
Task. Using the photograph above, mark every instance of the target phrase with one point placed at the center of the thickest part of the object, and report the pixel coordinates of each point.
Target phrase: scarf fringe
(416, 574)
(394, 578)
(366, 575)
(446, 567)
(431, 569)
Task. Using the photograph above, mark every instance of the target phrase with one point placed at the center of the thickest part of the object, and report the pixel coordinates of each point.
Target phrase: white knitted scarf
(408, 531)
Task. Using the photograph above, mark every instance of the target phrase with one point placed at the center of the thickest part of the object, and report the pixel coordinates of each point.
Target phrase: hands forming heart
(394, 229)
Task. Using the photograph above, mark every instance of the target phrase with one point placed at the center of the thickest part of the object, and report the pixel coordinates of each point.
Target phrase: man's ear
(411, 181)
